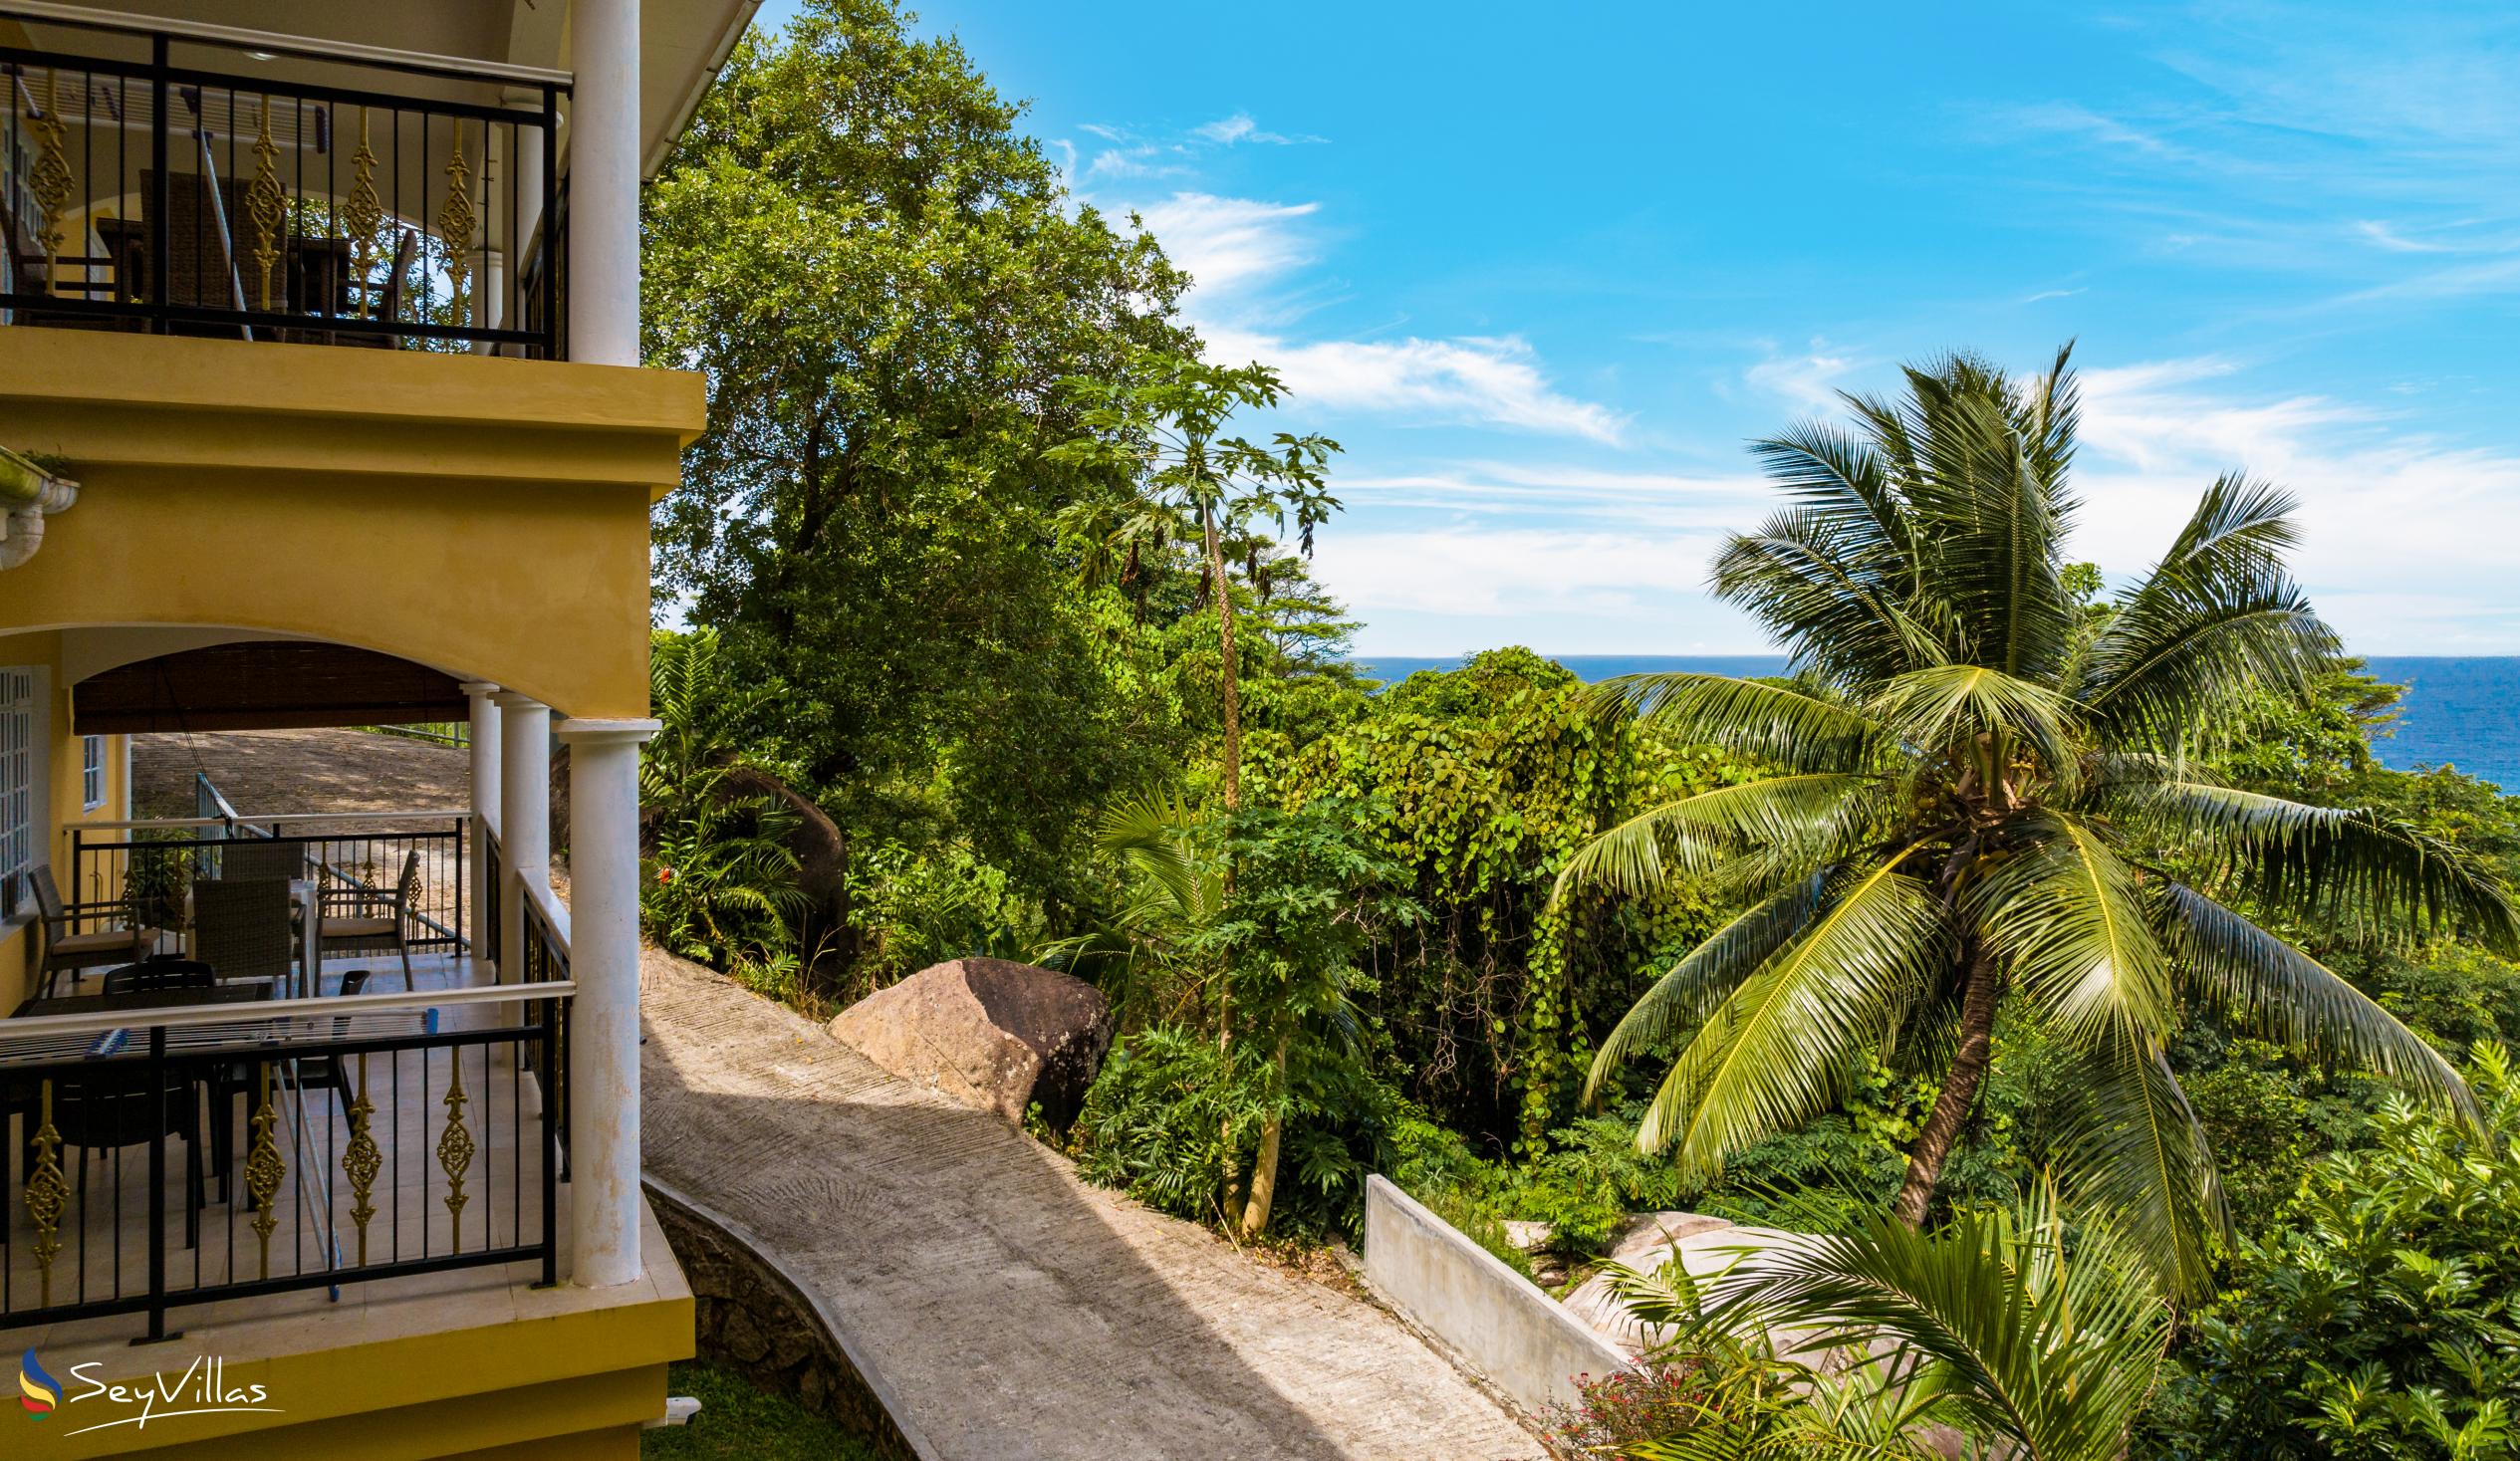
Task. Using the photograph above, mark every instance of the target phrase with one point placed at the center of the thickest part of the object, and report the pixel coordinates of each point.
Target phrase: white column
(604, 183)
(603, 1017)
(484, 729)
(524, 808)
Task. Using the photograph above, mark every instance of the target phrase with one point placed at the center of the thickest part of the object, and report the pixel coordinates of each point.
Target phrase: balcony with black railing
(184, 1144)
(192, 181)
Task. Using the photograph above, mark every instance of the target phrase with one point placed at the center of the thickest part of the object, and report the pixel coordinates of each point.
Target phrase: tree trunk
(1233, 666)
(1936, 1139)
(1217, 585)
(1264, 1170)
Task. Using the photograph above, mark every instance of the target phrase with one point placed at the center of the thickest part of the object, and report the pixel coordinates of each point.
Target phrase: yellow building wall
(566, 1385)
(485, 516)
(21, 938)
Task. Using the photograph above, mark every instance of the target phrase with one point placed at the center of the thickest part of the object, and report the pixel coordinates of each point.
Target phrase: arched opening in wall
(267, 725)
(290, 755)
(269, 684)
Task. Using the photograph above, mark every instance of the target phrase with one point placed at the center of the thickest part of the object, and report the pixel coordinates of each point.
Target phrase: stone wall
(751, 1320)
(1492, 1320)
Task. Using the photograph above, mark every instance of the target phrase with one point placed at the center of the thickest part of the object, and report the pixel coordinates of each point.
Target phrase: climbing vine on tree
(1483, 783)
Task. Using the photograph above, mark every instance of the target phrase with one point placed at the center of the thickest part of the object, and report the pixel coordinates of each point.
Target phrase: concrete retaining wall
(1519, 1340)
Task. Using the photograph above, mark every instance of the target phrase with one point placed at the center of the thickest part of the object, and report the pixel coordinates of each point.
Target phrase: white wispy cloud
(2350, 147)
(1475, 573)
(1229, 246)
(1473, 491)
(1242, 254)
(1485, 380)
(1138, 160)
(1239, 127)
(1132, 154)
(1810, 381)
(2390, 238)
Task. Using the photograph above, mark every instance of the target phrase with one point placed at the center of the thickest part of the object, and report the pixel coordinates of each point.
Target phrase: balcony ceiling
(263, 685)
(682, 41)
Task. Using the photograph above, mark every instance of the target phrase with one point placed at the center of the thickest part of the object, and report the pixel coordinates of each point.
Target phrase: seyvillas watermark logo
(38, 1392)
(199, 1388)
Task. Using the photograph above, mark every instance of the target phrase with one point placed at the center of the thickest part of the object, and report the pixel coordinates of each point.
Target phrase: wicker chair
(241, 927)
(252, 859)
(369, 918)
(65, 949)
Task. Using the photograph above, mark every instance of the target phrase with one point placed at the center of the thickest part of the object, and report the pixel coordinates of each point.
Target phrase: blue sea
(2458, 712)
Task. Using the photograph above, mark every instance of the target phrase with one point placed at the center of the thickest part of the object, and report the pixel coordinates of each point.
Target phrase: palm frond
(2214, 624)
(1693, 834)
(1779, 1050)
(2265, 987)
(2068, 919)
(2351, 867)
(2051, 415)
(1946, 704)
(1692, 988)
(2368, 869)
(1996, 519)
(1791, 726)
(1830, 593)
(1846, 484)
(2128, 1146)
(1155, 836)
(2052, 1350)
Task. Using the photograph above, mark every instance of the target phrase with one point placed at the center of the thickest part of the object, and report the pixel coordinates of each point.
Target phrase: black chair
(311, 1072)
(152, 975)
(112, 1109)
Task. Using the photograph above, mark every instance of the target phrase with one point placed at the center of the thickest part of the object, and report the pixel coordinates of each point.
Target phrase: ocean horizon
(2458, 710)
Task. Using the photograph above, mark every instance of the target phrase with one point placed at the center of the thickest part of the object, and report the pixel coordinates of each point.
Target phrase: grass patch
(740, 1422)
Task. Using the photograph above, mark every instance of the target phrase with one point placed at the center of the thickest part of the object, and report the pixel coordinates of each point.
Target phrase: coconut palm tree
(1983, 800)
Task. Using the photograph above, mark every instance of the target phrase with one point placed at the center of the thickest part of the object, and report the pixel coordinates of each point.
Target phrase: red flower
(664, 874)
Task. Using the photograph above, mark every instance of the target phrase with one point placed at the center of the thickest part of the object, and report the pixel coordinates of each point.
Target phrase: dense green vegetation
(994, 635)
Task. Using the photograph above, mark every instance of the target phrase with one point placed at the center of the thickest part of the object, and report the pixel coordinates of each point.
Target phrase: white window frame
(21, 799)
(91, 773)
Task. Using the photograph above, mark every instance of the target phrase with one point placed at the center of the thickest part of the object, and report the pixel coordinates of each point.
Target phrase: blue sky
(1544, 270)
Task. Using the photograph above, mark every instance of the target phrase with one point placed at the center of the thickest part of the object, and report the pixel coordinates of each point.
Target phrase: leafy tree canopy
(883, 283)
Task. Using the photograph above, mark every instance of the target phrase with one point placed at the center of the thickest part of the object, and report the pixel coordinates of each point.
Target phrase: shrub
(1163, 1118)
(1616, 1413)
(1587, 1182)
(2382, 1318)
(1167, 1111)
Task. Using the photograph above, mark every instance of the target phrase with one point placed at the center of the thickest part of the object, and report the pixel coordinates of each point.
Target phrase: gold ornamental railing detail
(454, 1156)
(264, 1168)
(361, 1161)
(267, 204)
(47, 1194)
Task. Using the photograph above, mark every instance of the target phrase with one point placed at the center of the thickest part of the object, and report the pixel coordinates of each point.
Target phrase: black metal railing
(141, 873)
(178, 185)
(544, 960)
(177, 1164)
